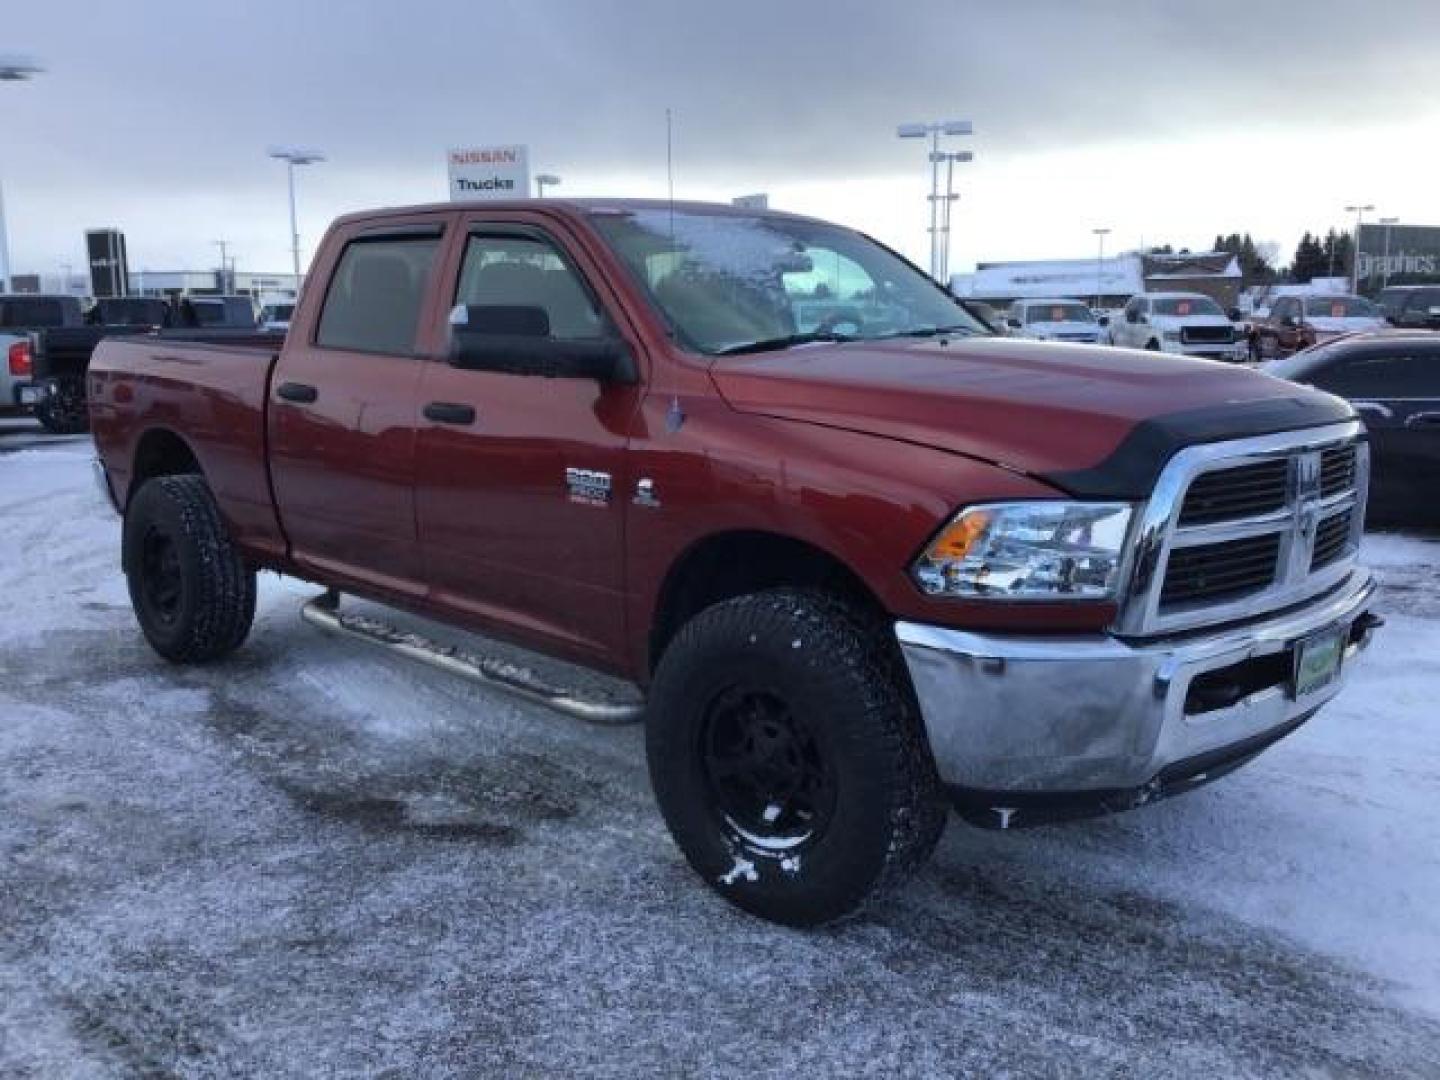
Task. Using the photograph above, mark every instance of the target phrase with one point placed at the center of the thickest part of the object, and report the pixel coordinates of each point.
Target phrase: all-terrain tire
(832, 685)
(63, 410)
(193, 595)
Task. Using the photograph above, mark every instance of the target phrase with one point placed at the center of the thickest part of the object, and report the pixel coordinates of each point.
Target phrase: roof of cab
(570, 207)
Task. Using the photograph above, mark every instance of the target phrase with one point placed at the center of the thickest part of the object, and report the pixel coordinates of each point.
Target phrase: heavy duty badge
(588, 486)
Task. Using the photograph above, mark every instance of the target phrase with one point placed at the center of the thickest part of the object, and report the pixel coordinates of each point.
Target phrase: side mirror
(1012, 323)
(515, 340)
(1290, 322)
(1235, 314)
(1132, 316)
(1104, 320)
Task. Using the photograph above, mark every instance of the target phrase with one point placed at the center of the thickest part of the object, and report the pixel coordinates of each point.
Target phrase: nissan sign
(490, 172)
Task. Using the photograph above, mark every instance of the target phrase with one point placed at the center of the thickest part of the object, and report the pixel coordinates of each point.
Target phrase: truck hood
(1046, 409)
(1057, 329)
(1175, 322)
(1346, 324)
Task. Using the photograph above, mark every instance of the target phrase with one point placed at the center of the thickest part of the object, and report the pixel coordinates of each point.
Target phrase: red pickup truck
(864, 560)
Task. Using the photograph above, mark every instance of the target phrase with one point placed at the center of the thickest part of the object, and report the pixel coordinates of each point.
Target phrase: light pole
(12, 69)
(224, 266)
(543, 181)
(961, 156)
(934, 129)
(1385, 262)
(1100, 263)
(1359, 212)
(292, 156)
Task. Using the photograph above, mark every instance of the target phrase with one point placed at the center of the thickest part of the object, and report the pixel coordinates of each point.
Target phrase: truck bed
(211, 386)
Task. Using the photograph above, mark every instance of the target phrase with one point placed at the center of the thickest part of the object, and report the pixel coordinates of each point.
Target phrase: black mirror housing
(515, 340)
(1235, 314)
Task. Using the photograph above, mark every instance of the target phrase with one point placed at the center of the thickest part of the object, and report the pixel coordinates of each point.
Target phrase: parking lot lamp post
(12, 69)
(1359, 212)
(543, 181)
(293, 156)
(1385, 260)
(950, 198)
(1100, 263)
(933, 130)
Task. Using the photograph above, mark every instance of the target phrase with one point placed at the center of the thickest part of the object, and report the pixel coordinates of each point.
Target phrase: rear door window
(375, 295)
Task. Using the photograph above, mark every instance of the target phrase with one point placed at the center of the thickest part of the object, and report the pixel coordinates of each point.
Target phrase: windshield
(728, 282)
(131, 312)
(1339, 307)
(1183, 306)
(1048, 313)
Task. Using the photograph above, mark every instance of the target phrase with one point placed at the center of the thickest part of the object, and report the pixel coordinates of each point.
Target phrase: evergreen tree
(1311, 260)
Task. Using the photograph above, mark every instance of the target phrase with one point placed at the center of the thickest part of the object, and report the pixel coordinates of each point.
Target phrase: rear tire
(63, 410)
(788, 758)
(193, 594)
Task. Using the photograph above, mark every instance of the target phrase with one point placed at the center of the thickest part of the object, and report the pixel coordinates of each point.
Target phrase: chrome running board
(324, 612)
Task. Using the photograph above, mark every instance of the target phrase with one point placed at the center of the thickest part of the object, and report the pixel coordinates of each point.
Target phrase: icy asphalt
(314, 860)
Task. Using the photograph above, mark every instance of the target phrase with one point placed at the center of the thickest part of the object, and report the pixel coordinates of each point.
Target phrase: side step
(324, 612)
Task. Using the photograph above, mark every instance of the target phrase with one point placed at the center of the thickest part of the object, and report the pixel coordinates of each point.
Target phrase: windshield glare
(1048, 313)
(1339, 307)
(1184, 306)
(725, 281)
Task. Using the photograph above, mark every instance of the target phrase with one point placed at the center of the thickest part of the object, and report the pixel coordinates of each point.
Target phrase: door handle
(449, 412)
(1423, 420)
(299, 393)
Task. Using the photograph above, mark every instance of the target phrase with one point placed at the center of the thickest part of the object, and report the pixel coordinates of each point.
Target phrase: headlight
(1171, 335)
(1047, 550)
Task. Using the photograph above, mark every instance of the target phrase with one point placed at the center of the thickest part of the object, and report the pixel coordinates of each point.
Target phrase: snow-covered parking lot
(313, 860)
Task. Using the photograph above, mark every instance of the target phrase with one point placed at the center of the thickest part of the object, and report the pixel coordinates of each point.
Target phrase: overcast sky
(1165, 121)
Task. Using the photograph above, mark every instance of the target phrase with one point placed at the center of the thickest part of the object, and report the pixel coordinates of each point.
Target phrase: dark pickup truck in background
(859, 559)
(60, 341)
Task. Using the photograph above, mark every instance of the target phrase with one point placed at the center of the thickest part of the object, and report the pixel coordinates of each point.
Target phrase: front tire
(788, 758)
(193, 594)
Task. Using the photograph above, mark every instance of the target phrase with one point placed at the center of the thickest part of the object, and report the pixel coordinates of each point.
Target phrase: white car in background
(277, 316)
(1189, 324)
(1054, 320)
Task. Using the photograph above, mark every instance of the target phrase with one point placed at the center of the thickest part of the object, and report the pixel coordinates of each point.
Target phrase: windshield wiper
(785, 342)
(932, 331)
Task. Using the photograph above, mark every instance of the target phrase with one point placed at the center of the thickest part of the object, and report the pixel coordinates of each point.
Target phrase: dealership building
(1110, 281)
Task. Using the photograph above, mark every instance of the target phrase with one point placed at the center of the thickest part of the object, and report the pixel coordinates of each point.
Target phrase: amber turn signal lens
(960, 535)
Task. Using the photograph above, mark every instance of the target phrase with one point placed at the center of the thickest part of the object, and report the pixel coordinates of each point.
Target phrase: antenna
(670, 170)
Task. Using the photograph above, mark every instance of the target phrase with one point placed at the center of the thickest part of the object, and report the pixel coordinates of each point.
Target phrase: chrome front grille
(1241, 528)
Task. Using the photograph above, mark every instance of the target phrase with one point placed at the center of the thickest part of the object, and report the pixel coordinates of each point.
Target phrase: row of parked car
(47, 340)
(1193, 324)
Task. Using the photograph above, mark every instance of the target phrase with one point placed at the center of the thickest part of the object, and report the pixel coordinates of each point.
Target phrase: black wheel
(788, 758)
(1152, 345)
(193, 595)
(62, 411)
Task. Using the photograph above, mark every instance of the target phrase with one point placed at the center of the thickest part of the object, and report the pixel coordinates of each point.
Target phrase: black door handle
(299, 393)
(448, 412)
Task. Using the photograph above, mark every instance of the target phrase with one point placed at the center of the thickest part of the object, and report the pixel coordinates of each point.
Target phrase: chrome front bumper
(1069, 715)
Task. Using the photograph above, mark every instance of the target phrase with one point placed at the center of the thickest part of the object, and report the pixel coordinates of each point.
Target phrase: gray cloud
(174, 101)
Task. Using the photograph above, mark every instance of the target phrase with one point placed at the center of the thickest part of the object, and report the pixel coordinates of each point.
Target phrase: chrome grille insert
(1240, 528)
